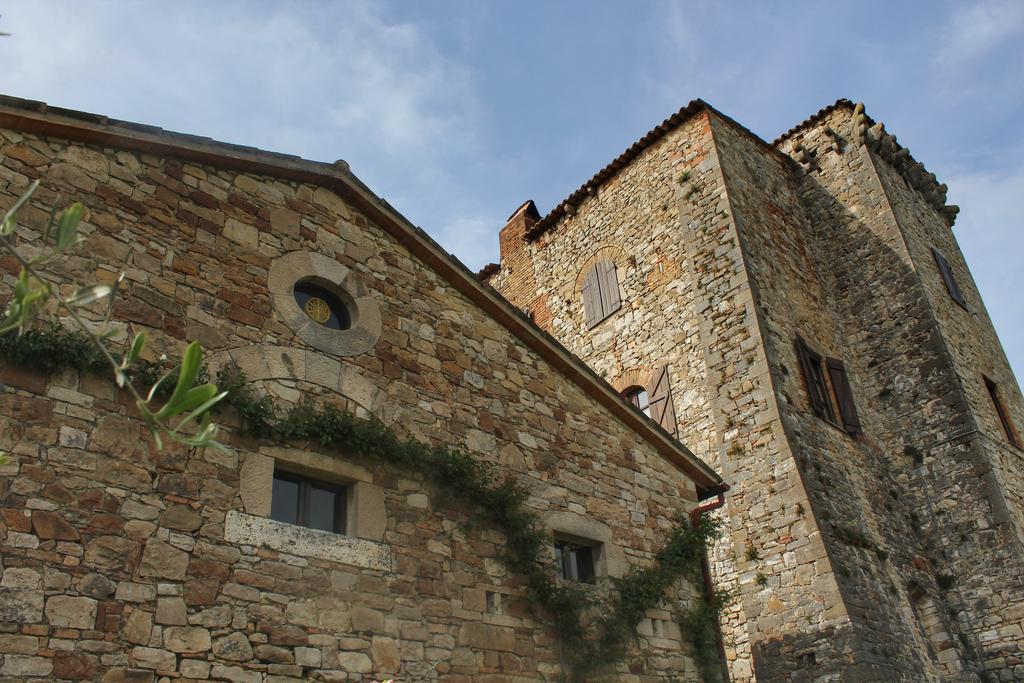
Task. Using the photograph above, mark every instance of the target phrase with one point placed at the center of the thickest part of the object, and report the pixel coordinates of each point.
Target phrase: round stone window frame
(339, 280)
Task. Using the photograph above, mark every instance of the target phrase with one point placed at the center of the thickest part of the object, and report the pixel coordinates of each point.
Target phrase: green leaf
(202, 409)
(196, 396)
(12, 212)
(88, 295)
(49, 223)
(67, 227)
(186, 378)
(133, 353)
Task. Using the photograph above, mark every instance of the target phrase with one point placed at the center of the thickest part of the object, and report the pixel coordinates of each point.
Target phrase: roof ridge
(634, 150)
(813, 118)
(40, 119)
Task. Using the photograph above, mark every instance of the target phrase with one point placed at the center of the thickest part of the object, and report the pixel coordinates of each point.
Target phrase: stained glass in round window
(322, 306)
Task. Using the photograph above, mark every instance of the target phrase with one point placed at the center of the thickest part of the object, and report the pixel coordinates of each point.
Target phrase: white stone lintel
(296, 540)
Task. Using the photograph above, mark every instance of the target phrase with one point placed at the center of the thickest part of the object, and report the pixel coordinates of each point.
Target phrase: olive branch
(185, 416)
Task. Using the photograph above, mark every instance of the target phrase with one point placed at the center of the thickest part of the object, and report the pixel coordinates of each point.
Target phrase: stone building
(799, 314)
(290, 561)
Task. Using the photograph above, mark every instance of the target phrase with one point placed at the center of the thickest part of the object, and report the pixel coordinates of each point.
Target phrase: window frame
(632, 395)
(304, 500)
(562, 559)
(1002, 414)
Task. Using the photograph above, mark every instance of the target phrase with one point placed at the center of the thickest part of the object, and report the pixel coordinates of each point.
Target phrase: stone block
(240, 233)
(187, 639)
(234, 648)
(481, 636)
(236, 674)
(21, 667)
(96, 586)
(75, 666)
(163, 560)
(306, 656)
(138, 627)
(50, 525)
(20, 577)
(354, 662)
(181, 518)
(385, 656)
(122, 675)
(71, 612)
(365, 619)
(19, 645)
(171, 611)
(154, 658)
(128, 591)
(273, 654)
(194, 668)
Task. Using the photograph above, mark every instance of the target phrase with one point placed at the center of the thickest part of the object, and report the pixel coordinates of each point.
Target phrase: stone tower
(799, 314)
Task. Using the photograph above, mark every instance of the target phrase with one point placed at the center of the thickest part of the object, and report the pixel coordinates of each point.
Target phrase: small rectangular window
(308, 502)
(575, 562)
(814, 376)
(947, 276)
(1004, 417)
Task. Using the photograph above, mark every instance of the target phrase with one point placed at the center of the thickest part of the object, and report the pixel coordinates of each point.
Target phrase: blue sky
(458, 111)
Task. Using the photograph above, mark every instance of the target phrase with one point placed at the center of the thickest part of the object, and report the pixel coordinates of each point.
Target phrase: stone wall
(902, 335)
(892, 554)
(124, 563)
(636, 220)
(792, 263)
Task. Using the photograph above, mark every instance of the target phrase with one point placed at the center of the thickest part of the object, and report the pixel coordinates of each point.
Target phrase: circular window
(638, 397)
(322, 306)
(324, 303)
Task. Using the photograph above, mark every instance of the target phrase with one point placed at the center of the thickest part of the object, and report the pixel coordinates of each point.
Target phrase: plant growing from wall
(180, 413)
(595, 628)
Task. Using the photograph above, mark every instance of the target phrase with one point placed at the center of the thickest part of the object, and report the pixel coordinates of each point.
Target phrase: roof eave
(37, 118)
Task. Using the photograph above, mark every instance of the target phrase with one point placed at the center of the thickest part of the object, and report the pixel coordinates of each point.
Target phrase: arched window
(600, 292)
(638, 397)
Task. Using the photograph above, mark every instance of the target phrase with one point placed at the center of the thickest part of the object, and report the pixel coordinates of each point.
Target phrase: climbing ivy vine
(595, 628)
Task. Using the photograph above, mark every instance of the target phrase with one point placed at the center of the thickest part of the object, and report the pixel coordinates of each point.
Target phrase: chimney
(512, 237)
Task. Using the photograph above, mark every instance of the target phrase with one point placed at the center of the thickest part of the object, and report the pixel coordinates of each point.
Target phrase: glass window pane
(321, 509)
(585, 564)
(284, 501)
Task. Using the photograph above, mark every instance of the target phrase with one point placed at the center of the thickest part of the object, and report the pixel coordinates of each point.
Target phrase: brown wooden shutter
(844, 396)
(810, 363)
(660, 392)
(610, 300)
(592, 298)
(947, 276)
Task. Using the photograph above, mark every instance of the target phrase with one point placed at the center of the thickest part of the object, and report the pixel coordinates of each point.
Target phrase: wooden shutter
(844, 396)
(592, 298)
(660, 393)
(810, 363)
(610, 300)
(947, 277)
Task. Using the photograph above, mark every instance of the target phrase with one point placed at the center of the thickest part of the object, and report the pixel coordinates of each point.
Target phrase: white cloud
(324, 81)
(977, 29)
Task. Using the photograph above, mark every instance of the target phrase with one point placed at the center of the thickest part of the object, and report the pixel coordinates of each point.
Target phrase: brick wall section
(114, 560)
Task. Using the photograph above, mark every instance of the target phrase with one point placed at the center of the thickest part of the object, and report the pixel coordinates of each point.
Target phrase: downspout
(705, 566)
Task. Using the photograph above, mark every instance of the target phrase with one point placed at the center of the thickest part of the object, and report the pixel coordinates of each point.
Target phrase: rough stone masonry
(826, 349)
(123, 563)
(763, 290)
